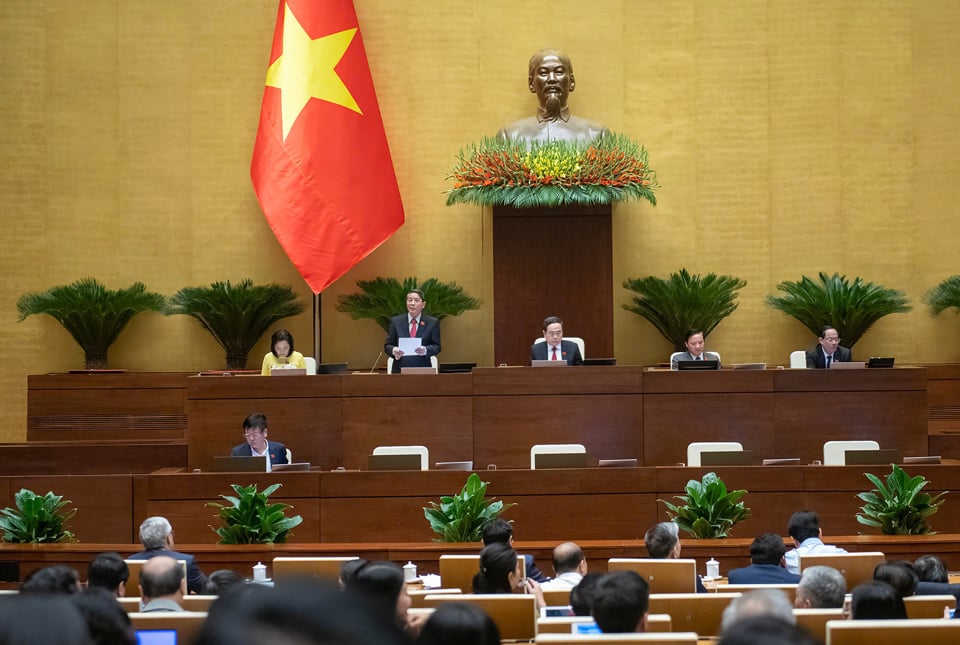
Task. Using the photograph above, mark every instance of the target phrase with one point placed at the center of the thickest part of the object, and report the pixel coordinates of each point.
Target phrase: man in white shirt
(569, 567)
(804, 528)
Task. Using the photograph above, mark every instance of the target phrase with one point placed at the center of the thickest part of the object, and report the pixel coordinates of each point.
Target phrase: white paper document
(409, 346)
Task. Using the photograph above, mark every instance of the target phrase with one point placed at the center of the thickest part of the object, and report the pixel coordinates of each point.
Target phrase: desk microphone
(376, 362)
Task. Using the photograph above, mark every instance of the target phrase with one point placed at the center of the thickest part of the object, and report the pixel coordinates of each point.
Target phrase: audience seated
(899, 574)
(569, 567)
(581, 596)
(620, 603)
(663, 543)
(821, 588)
(876, 600)
(381, 585)
(219, 580)
(934, 579)
(804, 528)
(767, 564)
(500, 530)
(35, 618)
(762, 602)
(108, 571)
(156, 535)
(161, 584)
(766, 630)
(106, 620)
(458, 623)
(56, 579)
(349, 569)
(500, 572)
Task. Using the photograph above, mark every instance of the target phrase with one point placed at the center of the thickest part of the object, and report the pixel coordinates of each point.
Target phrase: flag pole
(317, 349)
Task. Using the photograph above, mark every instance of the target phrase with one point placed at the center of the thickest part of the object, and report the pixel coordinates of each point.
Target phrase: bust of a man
(551, 79)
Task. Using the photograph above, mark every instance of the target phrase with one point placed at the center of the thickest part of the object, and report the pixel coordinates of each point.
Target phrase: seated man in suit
(663, 543)
(413, 324)
(256, 445)
(828, 350)
(156, 535)
(694, 344)
(161, 585)
(767, 564)
(620, 603)
(933, 577)
(108, 571)
(500, 530)
(820, 588)
(555, 348)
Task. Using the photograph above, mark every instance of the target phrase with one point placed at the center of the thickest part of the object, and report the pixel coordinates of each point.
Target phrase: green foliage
(945, 295)
(91, 313)
(526, 174)
(249, 518)
(898, 507)
(381, 299)
(708, 509)
(850, 307)
(683, 302)
(37, 518)
(236, 315)
(461, 518)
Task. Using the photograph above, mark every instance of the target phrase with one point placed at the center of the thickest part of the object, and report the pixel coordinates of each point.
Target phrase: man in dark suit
(255, 433)
(555, 348)
(828, 351)
(413, 324)
(694, 343)
(767, 564)
(156, 535)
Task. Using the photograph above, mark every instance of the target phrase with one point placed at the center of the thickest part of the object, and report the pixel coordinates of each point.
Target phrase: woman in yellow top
(281, 354)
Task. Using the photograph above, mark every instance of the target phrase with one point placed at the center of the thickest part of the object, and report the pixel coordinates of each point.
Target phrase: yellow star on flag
(305, 70)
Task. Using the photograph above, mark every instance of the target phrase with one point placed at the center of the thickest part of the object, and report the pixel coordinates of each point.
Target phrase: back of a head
(766, 630)
(876, 600)
(803, 525)
(767, 549)
(458, 623)
(620, 602)
(58, 578)
(29, 619)
(295, 611)
(567, 557)
(760, 602)
(930, 568)
(349, 569)
(154, 531)
(824, 587)
(106, 571)
(497, 562)
(899, 574)
(161, 576)
(661, 539)
(220, 580)
(581, 596)
(106, 620)
(498, 530)
(379, 583)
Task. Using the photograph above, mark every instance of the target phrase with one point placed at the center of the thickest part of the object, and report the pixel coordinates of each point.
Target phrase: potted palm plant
(945, 295)
(37, 518)
(381, 299)
(850, 307)
(682, 302)
(236, 315)
(708, 510)
(250, 518)
(91, 313)
(898, 506)
(461, 517)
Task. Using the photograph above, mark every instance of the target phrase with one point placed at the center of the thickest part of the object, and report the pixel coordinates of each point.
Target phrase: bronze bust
(551, 79)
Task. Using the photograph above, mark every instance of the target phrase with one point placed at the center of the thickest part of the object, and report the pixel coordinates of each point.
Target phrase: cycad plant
(898, 507)
(36, 518)
(708, 510)
(850, 307)
(683, 302)
(381, 299)
(250, 518)
(91, 313)
(945, 295)
(461, 517)
(236, 315)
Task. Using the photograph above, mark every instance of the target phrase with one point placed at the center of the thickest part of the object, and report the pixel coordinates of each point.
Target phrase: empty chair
(417, 595)
(555, 449)
(693, 612)
(514, 614)
(406, 450)
(835, 452)
(197, 602)
(647, 638)
(311, 364)
(556, 597)
(663, 576)
(696, 448)
(855, 567)
(893, 632)
(326, 568)
(434, 363)
(572, 339)
(798, 360)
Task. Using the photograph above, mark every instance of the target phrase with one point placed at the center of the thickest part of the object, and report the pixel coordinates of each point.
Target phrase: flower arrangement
(535, 174)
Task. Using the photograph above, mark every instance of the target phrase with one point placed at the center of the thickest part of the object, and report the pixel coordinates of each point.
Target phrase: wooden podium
(552, 262)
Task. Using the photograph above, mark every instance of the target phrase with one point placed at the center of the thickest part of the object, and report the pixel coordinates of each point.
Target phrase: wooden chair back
(929, 606)
(133, 582)
(919, 631)
(656, 623)
(198, 602)
(815, 620)
(682, 638)
(693, 612)
(187, 624)
(663, 576)
(514, 614)
(130, 604)
(556, 597)
(417, 595)
(855, 567)
(790, 590)
(457, 571)
(323, 568)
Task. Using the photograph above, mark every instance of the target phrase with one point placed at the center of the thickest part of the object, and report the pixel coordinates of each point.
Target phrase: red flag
(321, 166)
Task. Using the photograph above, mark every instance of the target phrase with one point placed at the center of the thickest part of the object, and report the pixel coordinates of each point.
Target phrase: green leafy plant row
(381, 299)
(37, 518)
(708, 510)
(461, 517)
(898, 506)
(250, 518)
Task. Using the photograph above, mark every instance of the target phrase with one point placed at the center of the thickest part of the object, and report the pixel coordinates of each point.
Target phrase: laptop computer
(299, 466)
(561, 460)
(547, 363)
(849, 365)
(290, 371)
(706, 364)
(727, 458)
(332, 368)
(881, 361)
(599, 361)
(239, 464)
(872, 457)
(394, 462)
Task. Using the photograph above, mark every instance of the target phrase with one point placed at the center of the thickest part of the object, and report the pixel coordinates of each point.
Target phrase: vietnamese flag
(321, 165)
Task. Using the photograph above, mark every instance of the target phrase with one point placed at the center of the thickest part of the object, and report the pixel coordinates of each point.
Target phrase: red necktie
(413, 328)
(554, 357)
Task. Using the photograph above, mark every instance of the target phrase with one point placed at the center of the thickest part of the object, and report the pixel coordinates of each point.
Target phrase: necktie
(554, 357)
(413, 328)
(699, 358)
(829, 360)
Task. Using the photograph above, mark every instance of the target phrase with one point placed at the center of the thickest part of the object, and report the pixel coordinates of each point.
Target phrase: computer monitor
(156, 637)
(332, 368)
(705, 364)
(881, 361)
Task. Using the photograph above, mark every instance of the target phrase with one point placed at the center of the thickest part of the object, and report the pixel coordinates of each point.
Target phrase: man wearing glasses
(828, 351)
(255, 433)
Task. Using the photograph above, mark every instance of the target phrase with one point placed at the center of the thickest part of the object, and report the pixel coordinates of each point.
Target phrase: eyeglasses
(252, 433)
(832, 340)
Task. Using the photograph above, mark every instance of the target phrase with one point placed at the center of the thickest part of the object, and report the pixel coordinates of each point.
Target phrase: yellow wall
(789, 138)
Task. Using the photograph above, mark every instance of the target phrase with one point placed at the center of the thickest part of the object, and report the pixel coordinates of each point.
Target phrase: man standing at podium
(555, 348)
(413, 324)
(828, 351)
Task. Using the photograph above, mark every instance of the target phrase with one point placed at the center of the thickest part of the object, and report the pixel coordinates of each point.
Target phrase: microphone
(376, 362)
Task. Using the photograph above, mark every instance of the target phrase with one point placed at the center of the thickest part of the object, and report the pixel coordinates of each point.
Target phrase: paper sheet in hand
(409, 346)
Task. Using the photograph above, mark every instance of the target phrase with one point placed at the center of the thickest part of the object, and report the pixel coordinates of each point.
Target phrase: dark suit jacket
(428, 332)
(278, 452)
(569, 349)
(195, 577)
(937, 588)
(817, 360)
(762, 574)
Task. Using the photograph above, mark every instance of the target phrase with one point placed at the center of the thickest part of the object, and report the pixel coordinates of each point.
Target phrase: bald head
(568, 557)
(161, 577)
